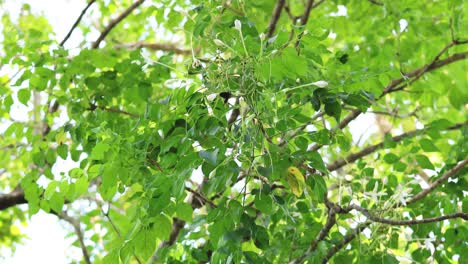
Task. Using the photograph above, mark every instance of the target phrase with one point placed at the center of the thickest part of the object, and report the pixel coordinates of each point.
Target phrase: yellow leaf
(295, 180)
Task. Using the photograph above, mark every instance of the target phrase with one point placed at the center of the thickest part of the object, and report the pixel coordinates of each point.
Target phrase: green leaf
(99, 150)
(163, 227)
(62, 151)
(56, 202)
(184, 211)
(145, 243)
(427, 145)
(264, 203)
(316, 162)
(391, 158)
(400, 166)
(424, 162)
(209, 156)
(81, 186)
(333, 108)
(24, 95)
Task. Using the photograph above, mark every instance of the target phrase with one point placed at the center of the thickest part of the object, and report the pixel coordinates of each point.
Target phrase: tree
(224, 131)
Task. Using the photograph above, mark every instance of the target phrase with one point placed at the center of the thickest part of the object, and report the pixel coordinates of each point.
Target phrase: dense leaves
(241, 131)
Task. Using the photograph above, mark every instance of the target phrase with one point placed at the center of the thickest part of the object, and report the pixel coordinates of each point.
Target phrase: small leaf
(424, 162)
(427, 145)
(391, 158)
(56, 202)
(209, 156)
(62, 151)
(333, 108)
(163, 227)
(295, 180)
(264, 203)
(316, 162)
(99, 150)
(24, 95)
(184, 211)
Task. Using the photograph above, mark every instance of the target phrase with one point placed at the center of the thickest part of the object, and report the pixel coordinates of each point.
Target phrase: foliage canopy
(241, 131)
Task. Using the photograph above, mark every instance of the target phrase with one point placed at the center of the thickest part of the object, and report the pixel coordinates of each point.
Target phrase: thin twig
(76, 225)
(375, 2)
(114, 23)
(76, 22)
(156, 46)
(112, 110)
(377, 219)
(347, 239)
(304, 19)
(201, 197)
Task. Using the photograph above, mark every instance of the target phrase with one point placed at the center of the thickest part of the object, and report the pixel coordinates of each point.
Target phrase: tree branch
(275, 17)
(375, 2)
(377, 219)
(371, 149)
(450, 173)
(12, 199)
(347, 239)
(393, 86)
(114, 23)
(112, 110)
(76, 22)
(155, 46)
(201, 197)
(76, 225)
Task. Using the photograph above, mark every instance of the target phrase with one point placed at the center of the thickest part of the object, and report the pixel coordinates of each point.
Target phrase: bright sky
(46, 242)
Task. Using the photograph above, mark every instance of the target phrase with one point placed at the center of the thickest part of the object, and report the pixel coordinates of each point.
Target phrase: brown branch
(375, 2)
(371, 149)
(377, 219)
(201, 197)
(76, 22)
(305, 15)
(394, 86)
(304, 18)
(450, 173)
(112, 110)
(296, 132)
(13, 198)
(114, 23)
(275, 17)
(177, 226)
(347, 239)
(76, 225)
(157, 46)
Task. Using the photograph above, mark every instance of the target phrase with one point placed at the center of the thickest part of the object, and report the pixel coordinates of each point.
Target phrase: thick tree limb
(13, 198)
(275, 17)
(371, 149)
(77, 22)
(114, 23)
